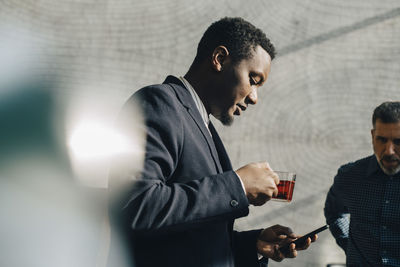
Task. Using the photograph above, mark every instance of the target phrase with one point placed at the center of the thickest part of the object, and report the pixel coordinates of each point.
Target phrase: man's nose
(252, 97)
(389, 149)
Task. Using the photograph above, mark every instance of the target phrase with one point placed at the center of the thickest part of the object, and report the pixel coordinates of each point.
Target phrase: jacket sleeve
(245, 249)
(337, 215)
(151, 201)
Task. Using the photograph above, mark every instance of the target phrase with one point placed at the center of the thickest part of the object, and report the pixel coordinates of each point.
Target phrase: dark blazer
(180, 211)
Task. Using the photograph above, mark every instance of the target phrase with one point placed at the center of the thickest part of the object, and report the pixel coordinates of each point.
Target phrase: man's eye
(381, 139)
(396, 142)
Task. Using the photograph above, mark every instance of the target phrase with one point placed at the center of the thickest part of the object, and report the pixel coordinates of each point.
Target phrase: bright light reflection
(93, 145)
(93, 140)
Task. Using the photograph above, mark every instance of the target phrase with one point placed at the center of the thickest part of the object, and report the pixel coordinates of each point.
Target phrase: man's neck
(196, 80)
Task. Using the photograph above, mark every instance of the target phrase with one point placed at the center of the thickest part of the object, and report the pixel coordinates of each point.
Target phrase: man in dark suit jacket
(180, 210)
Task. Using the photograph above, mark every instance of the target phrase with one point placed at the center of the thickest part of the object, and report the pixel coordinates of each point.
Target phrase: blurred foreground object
(46, 220)
(47, 217)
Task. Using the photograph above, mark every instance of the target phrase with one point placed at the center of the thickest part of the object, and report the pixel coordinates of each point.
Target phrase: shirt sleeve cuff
(241, 182)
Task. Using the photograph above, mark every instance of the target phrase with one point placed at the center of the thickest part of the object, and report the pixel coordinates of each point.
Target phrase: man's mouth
(237, 111)
(390, 161)
(242, 107)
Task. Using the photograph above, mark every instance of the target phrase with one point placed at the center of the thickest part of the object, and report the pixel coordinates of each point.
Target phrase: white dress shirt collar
(199, 104)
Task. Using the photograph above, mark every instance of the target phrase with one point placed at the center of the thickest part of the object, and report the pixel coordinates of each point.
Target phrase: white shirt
(199, 104)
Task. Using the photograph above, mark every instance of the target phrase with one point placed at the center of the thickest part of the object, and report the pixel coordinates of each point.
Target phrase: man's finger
(314, 238)
(283, 230)
(275, 192)
(278, 255)
(266, 164)
(267, 249)
(305, 245)
(292, 251)
(276, 178)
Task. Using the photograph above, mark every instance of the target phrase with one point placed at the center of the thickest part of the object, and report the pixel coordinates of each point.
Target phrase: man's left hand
(274, 237)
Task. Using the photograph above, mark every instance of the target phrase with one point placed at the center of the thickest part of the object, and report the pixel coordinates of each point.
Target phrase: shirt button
(234, 203)
(384, 227)
(387, 201)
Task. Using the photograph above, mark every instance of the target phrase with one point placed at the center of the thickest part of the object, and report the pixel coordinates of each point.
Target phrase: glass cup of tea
(286, 184)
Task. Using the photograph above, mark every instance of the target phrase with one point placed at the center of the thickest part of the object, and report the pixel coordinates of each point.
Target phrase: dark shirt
(363, 211)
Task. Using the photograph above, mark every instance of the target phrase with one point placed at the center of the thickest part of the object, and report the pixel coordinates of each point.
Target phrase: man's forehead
(382, 128)
(262, 54)
(260, 61)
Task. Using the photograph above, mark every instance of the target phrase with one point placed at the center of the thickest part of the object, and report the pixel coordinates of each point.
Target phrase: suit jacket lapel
(186, 99)
(223, 156)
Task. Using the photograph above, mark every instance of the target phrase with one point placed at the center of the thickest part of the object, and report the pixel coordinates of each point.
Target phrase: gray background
(336, 61)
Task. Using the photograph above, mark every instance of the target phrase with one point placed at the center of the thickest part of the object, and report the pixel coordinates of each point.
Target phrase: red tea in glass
(286, 184)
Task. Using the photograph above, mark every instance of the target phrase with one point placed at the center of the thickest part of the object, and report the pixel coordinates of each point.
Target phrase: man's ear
(220, 56)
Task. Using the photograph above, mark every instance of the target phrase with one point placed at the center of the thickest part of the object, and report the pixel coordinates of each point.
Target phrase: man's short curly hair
(387, 112)
(237, 35)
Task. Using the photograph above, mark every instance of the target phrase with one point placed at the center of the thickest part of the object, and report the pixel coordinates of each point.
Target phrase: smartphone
(300, 241)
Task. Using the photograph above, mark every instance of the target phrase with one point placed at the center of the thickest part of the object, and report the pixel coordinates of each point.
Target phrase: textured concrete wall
(336, 61)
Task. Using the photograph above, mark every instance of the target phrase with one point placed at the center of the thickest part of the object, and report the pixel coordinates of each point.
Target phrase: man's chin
(226, 119)
(389, 170)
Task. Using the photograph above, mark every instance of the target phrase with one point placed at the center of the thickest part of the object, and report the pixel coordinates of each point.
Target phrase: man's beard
(226, 119)
(387, 171)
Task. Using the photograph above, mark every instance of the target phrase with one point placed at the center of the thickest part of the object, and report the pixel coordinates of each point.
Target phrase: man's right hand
(259, 181)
